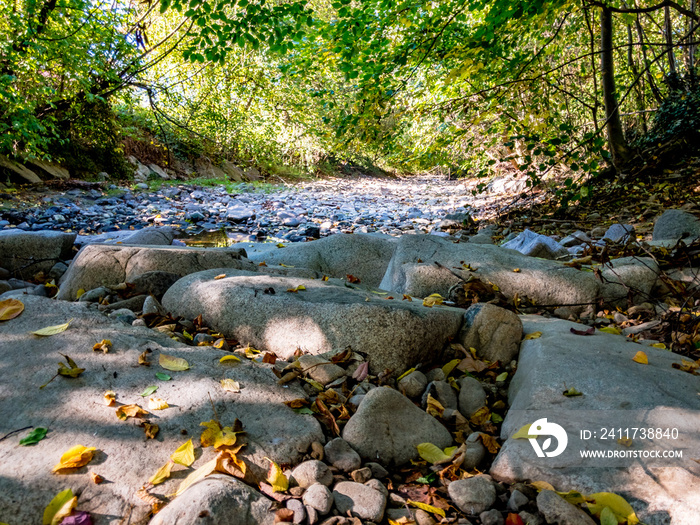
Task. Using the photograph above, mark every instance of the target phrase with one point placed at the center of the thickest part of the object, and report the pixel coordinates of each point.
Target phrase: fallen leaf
(687, 366)
(10, 308)
(589, 331)
(229, 359)
(514, 519)
(102, 346)
(434, 407)
(540, 485)
(607, 517)
(407, 297)
(490, 442)
(71, 370)
(269, 358)
(143, 358)
(284, 516)
(163, 377)
(433, 300)
(220, 276)
(59, 508)
(110, 398)
(156, 403)
(184, 455)
(523, 433)
(610, 330)
(297, 289)
(641, 358)
(481, 416)
(79, 293)
(533, 335)
(228, 462)
(76, 457)
(352, 279)
(361, 372)
(229, 385)
(251, 352)
(659, 345)
(53, 330)
(573, 497)
(622, 510)
(216, 436)
(124, 412)
(501, 377)
(572, 392)
(34, 436)
(276, 477)
(626, 442)
(162, 474)
(409, 371)
(174, 364)
(195, 476)
(426, 507)
(450, 366)
(149, 390)
(150, 430)
(96, 478)
(432, 453)
(516, 270)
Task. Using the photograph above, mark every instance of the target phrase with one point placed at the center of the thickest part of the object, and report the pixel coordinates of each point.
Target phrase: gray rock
(156, 236)
(154, 283)
(297, 507)
(124, 315)
(366, 257)
(517, 500)
(95, 295)
(51, 169)
(423, 518)
(26, 253)
(18, 170)
(557, 510)
(575, 239)
(480, 238)
(57, 270)
(135, 304)
(493, 331)
(443, 393)
(152, 306)
(312, 514)
(615, 394)
(535, 245)
(239, 213)
(471, 396)
(473, 495)
(320, 369)
(547, 282)
(359, 500)
(234, 172)
(361, 475)
(123, 454)
(312, 471)
(108, 265)
(341, 455)
(475, 453)
(378, 471)
(222, 499)
(387, 427)
(674, 224)
(530, 519)
(378, 486)
(395, 334)
(625, 277)
(620, 233)
(491, 517)
(436, 374)
(413, 385)
(5, 287)
(318, 497)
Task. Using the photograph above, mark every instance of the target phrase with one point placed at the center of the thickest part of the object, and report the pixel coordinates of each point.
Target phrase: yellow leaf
(641, 358)
(53, 330)
(573, 497)
(541, 485)
(481, 416)
(490, 442)
(79, 293)
(217, 436)
(10, 308)
(110, 397)
(162, 474)
(433, 300)
(229, 385)
(409, 371)
(427, 508)
(523, 433)
(124, 412)
(407, 298)
(156, 403)
(659, 345)
(610, 330)
(184, 455)
(622, 510)
(251, 352)
(175, 364)
(434, 407)
(276, 477)
(627, 442)
(449, 367)
(195, 476)
(533, 335)
(297, 289)
(76, 457)
(229, 359)
(61, 507)
(432, 453)
(220, 276)
(286, 265)
(516, 270)
(103, 346)
(150, 430)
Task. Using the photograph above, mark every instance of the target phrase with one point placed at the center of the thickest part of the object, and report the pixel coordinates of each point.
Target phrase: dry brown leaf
(96, 478)
(143, 358)
(126, 411)
(10, 308)
(103, 346)
(481, 416)
(150, 430)
(489, 442)
(110, 398)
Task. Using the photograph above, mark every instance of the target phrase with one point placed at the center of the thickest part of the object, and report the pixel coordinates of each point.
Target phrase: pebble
(318, 497)
(491, 517)
(516, 501)
(299, 511)
(359, 500)
(312, 471)
(557, 510)
(341, 455)
(473, 495)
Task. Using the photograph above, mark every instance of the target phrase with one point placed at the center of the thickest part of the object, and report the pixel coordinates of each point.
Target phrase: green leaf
(149, 391)
(163, 377)
(34, 436)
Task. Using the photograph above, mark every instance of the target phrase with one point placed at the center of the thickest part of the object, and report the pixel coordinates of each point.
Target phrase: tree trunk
(617, 143)
(691, 47)
(668, 33)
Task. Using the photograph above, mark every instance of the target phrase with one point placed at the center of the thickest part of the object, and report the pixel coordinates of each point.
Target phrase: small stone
(296, 492)
(423, 518)
(530, 519)
(476, 451)
(619, 233)
(473, 495)
(436, 374)
(341, 455)
(443, 393)
(299, 511)
(319, 497)
(471, 396)
(491, 517)
(320, 369)
(57, 270)
(124, 315)
(517, 500)
(557, 510)
(361, 475)
(413, 384)
(203, 339)
(359, 500)
(312, 471)
(378, 471)
(138, 322)
(317, 451)
(151, 306)
(311, 515)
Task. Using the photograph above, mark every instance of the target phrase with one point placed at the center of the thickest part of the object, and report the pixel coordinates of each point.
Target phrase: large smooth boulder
(15, 169)
(50, 168)
(364, 256)
(536, 245)
(217, 500)
(261, 311)
(618, 393)
(412, 271)
(387, 427)
(73, 410)
(104, 265)
(26, 253)
(674, 224)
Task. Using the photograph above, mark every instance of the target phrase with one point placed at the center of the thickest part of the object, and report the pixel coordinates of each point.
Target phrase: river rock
(536, 245)
(493, 331)
(321, 317)
(473, 495)
(26, 253)
(471, 396)
(619, 233)
(387, 427)
(310, 472)
(413, 385)
(359, 500)
(629, 277)
(341, 455)
(675, 224)
(319, 497)
(100, 265)
(557, 510)
(17, 170)
(150, 237)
